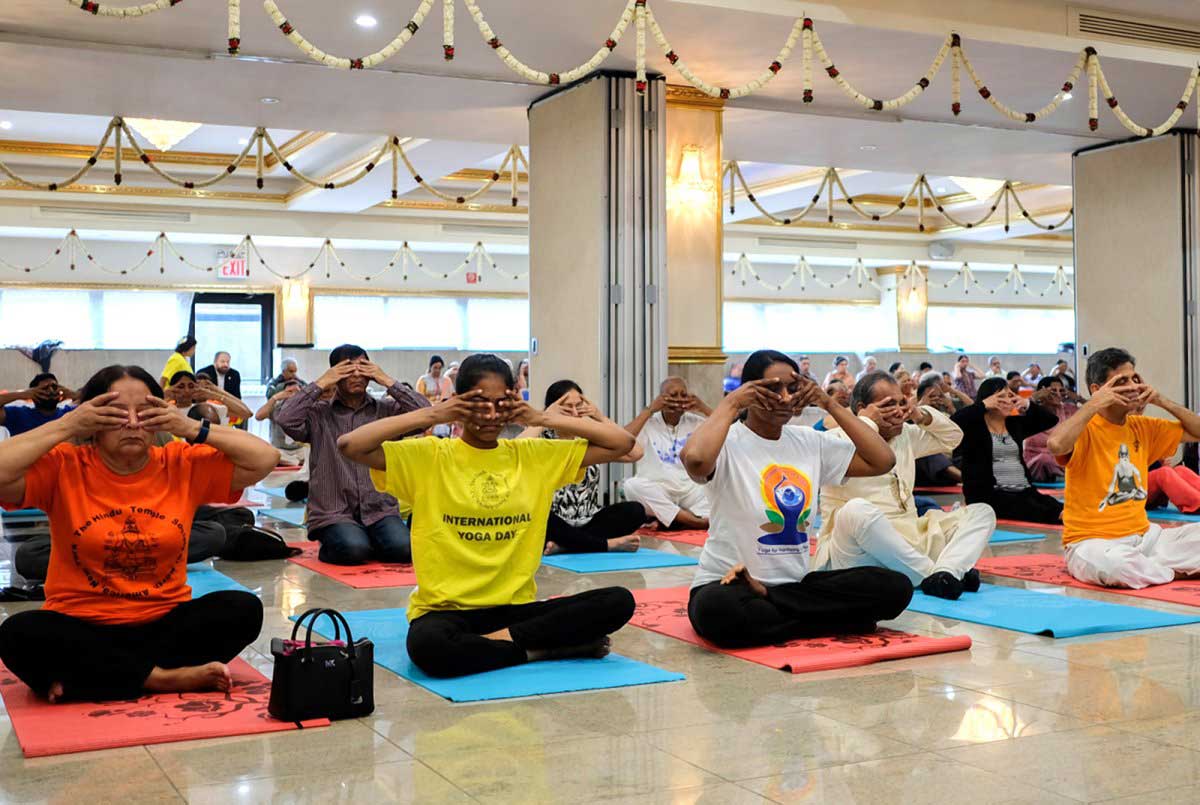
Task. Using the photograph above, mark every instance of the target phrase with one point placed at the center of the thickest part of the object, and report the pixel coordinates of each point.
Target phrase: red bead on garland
(234, 44)
(448, 52)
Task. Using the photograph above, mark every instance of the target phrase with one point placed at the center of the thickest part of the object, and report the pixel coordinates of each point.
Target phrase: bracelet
(202, 436)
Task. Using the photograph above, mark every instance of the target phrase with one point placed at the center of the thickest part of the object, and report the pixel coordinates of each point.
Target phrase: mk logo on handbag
(331, 663)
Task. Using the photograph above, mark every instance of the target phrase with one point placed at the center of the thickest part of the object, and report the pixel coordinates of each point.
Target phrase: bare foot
(551, 549)
(739, 574)
(627, 544)
(597, 648)
(55, 693)
(212, 676)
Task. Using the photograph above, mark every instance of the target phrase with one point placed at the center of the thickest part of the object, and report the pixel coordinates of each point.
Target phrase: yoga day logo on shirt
(488, 489)
(787, 492)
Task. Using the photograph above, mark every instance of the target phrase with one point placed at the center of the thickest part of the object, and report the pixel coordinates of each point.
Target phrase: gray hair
(288, 361)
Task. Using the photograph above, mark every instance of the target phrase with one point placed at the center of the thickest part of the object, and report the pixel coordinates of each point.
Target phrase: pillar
(695, 240)
(1136, 258)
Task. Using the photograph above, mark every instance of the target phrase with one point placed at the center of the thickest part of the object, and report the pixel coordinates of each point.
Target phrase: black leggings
(822, 603)
(451, 642)
(98, 662)
(617, 520)
(1029, 505)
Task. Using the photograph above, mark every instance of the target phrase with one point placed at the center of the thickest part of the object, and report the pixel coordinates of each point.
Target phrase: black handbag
(333, 680)
(255, 543)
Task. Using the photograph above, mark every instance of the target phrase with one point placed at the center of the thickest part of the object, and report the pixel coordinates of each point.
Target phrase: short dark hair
(759, 361)
(925, 366)
(989, 387)
(347, 352)
(1049, 380)
(185, 344)
(182, 374)
(219, 354)
(1103, 363)
(102, 381)
(927, 382)
(436, 359)
(892, 369)
(559, 389)
(864, 389)
(40, 377)
(204, 411)
(475, 367)
(1010, 376)
(840, 359)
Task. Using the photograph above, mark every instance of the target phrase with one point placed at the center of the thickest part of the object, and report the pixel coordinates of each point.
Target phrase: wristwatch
(202, 436)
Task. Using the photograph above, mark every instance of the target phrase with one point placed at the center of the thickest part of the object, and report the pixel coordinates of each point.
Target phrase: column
(695, 239)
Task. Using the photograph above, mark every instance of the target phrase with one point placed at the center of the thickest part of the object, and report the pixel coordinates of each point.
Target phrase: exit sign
(233, 269)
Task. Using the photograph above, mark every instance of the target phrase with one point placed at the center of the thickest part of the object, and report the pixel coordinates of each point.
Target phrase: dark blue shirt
(21, 418)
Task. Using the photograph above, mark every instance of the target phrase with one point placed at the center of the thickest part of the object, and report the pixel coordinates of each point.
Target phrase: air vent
(807, 244)
(1095, 23)
(485, 229)
(143, 215)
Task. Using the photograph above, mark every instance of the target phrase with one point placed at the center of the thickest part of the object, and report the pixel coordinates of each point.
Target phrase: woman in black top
(993, 467)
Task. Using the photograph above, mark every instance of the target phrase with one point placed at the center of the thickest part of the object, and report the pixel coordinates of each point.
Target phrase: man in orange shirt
(1107, 448)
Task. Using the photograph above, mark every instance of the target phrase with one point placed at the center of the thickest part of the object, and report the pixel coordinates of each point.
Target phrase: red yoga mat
(58, 729)
(665, 611)
(938, 490)
(1048, 568)
(696, 538)
(361, 577)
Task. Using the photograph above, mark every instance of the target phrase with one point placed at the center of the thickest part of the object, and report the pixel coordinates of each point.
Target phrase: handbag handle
(315, 612)
(336, 617)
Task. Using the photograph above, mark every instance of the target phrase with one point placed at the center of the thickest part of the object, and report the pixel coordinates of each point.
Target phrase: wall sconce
(913, 304)
(295, 298)
(690, 188)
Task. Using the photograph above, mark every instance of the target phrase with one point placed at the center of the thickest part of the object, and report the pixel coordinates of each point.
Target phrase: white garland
(448, 29)
(235, 26)
(1128, 123)
(105, 10)
(1014, 280)
(1012, 114)
(342, 62)
(880, 105)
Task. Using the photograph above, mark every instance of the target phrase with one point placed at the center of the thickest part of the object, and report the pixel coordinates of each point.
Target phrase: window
(998, 329)
(421, 322)
(808, 327)
(93, 319)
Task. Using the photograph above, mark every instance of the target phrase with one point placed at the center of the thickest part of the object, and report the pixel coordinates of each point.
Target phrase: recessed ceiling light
(268, 100)
(365, 21)
(243, 141)
(868, 148)
(5, 124)
(1067, 96)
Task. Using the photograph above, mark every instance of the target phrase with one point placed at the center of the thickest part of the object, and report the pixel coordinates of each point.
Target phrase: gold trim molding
(481, 175)
(696, 355)
(680, 95)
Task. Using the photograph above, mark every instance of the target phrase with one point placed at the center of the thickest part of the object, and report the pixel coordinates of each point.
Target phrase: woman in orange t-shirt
(119, 617)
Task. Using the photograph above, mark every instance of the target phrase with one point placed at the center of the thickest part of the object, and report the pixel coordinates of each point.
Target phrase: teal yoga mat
(388, 630)
(293, 516)
(204, 580)
(1051, 485)
(999, 536)
(274, 491)
(1044, 613)
(1172, 514)
(642, 559)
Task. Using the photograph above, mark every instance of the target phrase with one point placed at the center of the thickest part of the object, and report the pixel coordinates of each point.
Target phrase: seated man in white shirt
(661, 484)
(874, 522)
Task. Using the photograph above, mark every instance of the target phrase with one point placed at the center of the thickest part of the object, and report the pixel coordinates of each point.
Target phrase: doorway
(240, 324)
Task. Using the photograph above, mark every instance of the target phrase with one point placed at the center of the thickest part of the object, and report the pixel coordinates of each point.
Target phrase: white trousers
(1138, 561)
(666, 499)
(863, 537)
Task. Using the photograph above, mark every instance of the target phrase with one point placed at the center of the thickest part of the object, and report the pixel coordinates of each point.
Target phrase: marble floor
(1017, 719)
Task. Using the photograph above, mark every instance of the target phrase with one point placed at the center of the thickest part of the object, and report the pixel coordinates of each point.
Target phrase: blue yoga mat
(999, 536)
(388, 630)
(609, 562)
(204, 580)
(24, 513)
(1044, 613)
(1172, 514)
(293, 516)
(275, 492)
(1051, 485)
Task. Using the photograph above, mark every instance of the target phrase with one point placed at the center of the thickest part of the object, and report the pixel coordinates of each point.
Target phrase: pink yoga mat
(1051, 569)
(696, 538)
(58, 729)
(665, 611)
(1032, 526)
(361, 577)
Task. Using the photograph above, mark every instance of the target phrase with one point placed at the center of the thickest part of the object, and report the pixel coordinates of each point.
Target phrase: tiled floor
(1018, 719)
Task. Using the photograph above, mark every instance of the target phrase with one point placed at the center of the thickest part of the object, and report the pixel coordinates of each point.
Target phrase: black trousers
(32, 557)
(822, 603)
(98, 662)
(451, 643)
(617, 520)
(1029, 505)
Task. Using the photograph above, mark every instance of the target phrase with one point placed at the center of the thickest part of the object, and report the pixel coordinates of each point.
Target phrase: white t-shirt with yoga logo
(763, 494)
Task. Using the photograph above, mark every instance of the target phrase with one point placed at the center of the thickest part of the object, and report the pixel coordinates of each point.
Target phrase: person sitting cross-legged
(660, 482)
(481, 504)
(353, 521)
(873, 522)
(578, 523)
(754, 586)
(1107, 448)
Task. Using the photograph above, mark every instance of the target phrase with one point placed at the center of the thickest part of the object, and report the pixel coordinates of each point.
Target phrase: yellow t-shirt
(1107, 476)
(479, 516)
(175, 363)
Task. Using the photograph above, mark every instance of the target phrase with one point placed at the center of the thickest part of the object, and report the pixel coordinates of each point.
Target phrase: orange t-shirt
(118, 543)
(1107, 476)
